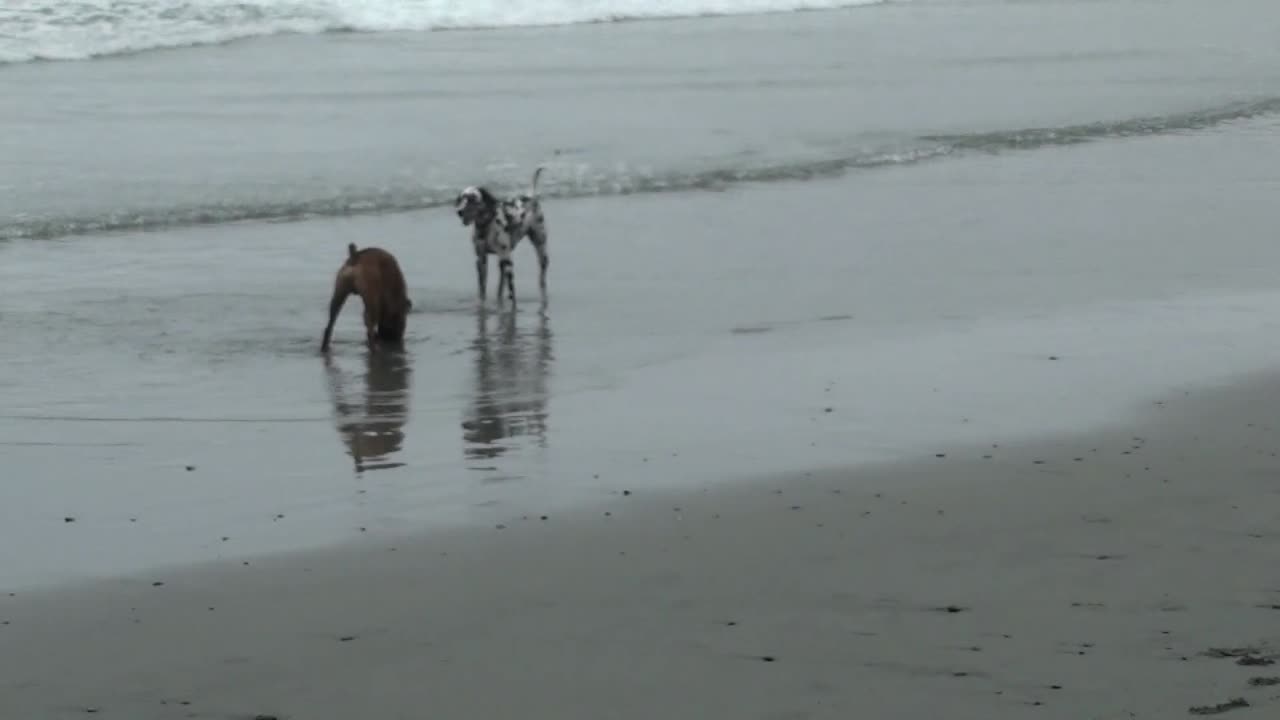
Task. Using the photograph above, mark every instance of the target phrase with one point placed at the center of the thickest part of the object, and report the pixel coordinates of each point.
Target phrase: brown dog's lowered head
(374, 275)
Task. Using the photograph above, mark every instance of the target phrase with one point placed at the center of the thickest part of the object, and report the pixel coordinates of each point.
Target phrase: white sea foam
(81, 29)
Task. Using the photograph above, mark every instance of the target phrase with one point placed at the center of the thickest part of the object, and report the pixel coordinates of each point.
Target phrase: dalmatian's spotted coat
(497, 226)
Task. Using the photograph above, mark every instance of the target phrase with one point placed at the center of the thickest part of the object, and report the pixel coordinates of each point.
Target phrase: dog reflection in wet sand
(372, 427)
(510, 396)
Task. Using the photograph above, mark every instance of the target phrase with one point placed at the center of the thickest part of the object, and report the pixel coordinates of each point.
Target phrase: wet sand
(1100, 575)
(155, 404)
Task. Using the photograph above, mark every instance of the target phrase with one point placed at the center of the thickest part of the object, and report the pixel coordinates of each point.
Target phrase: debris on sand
(1230, 652)
(1220, 708)
(1264, 681)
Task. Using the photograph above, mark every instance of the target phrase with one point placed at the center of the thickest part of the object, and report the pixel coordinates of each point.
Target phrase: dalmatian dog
(497, 226)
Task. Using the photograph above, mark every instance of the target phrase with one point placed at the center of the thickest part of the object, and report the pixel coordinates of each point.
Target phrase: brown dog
(374, 275)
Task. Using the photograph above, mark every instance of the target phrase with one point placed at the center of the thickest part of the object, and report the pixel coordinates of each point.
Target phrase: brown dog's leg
(342, 287)
(371, 322)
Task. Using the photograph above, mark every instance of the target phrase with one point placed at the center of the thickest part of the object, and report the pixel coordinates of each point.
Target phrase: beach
(1102, 574)
(906, 360)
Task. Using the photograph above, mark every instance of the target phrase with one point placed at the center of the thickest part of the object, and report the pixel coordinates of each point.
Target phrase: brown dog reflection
(372, 423)
(510, 395)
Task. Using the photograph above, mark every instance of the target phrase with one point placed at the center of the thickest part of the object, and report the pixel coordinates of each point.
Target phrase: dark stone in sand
(265, 717)
(1264, 681)
(544, 517)
(768, 658)
(156, 584)
(626, 492)
(190, 468)
(91, 711)
(940, 455)
(731, 623)
(501, 527)
(828, 409)
(1220, 708)
(68, 519)
(1053, 357)
(951, 609)
(346, 638)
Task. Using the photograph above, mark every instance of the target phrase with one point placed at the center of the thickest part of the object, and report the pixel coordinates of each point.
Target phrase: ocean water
(784, 235)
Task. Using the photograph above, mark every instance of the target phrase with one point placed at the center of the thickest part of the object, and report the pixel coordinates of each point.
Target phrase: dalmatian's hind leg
(538, 238)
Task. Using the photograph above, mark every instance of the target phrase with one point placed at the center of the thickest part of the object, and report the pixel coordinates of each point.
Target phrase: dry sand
(1078, 577)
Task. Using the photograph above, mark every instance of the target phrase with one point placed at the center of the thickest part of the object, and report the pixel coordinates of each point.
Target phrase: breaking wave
(565, 181)
(84, 29)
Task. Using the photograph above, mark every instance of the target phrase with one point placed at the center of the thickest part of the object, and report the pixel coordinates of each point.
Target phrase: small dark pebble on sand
(346, 638)
(731, 623)
(1220, 708)
(156, 584)
(501, 527)
(626, 492)
(190, 468)
(544, 517)
(91, 710)
(950, 609)
(68, 519)
(940, 455)
(768, 658)
(1264, 681)
(1053, 357)
(265, 717)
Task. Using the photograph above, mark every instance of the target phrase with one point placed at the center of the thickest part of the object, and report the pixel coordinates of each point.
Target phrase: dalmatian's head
(472, 203)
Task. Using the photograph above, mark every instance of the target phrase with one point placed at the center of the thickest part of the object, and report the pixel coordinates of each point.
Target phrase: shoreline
(643, 372)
